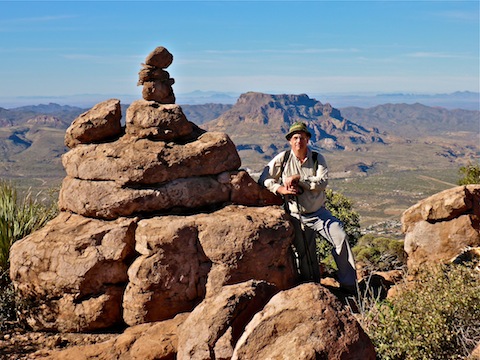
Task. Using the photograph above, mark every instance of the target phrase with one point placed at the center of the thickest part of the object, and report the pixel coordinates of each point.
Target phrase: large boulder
(183, 257)
(442, 226)
(222, 314)
(443, 206)
(75, 268)
(306, 322)
(249, 320)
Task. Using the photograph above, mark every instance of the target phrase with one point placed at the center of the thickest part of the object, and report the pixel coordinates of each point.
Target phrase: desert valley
(385, 158)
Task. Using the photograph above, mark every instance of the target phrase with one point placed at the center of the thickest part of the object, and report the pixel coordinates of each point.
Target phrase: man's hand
(291, 186)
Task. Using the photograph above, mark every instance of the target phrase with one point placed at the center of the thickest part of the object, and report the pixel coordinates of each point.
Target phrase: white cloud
(459, 15)
(436, 55)
(37, 19)
(107, 58)
(284, 51)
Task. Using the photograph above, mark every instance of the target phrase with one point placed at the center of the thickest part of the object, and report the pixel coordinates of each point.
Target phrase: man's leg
(331, 229)
(305, 248)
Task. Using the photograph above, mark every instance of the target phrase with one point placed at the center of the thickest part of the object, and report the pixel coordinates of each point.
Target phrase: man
(301, 176)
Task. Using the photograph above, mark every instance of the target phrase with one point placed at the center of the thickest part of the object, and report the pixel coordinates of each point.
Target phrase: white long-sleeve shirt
(313, 183)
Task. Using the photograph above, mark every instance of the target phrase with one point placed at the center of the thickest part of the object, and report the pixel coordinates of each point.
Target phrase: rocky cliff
(270, 116)
(160, 231)
(258, 123)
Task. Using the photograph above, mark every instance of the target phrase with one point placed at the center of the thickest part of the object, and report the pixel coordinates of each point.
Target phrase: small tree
(470, 174)
(342, 208)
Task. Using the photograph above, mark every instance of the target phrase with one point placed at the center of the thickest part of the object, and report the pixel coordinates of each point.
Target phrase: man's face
(299, 141)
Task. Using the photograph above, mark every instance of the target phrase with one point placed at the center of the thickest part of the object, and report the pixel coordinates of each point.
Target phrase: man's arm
(271, 178)
(319, 181)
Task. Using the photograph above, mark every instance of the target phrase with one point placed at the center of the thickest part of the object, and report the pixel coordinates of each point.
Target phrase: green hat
(296, 127)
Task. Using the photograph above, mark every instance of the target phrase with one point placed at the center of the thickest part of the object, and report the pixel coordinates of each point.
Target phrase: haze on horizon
(67, 48)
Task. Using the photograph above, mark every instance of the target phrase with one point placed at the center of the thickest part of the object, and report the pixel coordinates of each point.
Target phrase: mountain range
(258, 122)
(467, 100)
(391, 145)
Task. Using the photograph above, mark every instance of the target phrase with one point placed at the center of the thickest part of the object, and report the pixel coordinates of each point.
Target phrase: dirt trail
(424, 177)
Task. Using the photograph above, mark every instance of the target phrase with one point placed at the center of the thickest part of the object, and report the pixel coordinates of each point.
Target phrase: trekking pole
(305, 243)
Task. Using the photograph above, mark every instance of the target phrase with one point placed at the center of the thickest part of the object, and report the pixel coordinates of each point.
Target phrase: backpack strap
(315, 162)
(286, 156)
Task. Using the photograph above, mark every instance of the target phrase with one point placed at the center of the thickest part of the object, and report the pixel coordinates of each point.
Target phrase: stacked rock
(126, 202)
(101, 123)
(157, 84)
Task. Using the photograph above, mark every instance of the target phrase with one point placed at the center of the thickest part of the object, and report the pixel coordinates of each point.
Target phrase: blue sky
(62, 48)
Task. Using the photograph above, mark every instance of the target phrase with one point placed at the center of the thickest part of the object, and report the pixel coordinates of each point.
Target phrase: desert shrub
(8, 313)
(436, 317)
(470, 174)
(19, 216)
(11, 305)
(380, 253)
(342, 208)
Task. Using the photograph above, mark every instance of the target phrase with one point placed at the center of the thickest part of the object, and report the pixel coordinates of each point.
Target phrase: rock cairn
(157, 84)
(161, 231)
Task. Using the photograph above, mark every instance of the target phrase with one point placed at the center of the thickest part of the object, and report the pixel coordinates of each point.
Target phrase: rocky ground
(21, 345)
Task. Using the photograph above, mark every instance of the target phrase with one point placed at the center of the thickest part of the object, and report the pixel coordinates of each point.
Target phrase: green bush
(470, 174)
(20, 216)
(436, 317)
(342, 208)
(380, 253)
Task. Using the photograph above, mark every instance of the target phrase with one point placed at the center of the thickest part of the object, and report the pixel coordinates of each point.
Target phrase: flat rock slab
(140, 161)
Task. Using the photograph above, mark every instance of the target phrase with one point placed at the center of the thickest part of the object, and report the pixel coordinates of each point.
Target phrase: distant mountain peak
(256, 99)
(47, 120)
(258, 115)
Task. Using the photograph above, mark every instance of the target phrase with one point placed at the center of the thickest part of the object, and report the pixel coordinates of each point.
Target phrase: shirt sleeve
(271, 175)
